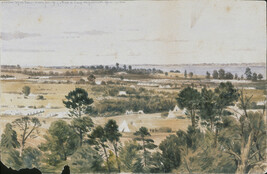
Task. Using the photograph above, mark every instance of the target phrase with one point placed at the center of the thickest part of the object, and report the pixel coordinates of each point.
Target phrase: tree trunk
(193, 119)
(117, 158)
(216, 137)
(106, 158)
(81, 138)
(187, 166)
(144, 151)
(244, 155)
(21, 148)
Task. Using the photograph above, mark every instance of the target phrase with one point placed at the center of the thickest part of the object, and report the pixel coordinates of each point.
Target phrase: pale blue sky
(148, 32)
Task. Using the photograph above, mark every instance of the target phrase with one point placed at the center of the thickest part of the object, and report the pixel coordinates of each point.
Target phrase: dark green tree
(215, 74)
(117, 66)
(78, 102)
(185, 74)
(189, 98)
(260, 76)
(86, 159)
(9, 138)
(207, 75)
(112, 132)
(170, 153)
(98, 138)
(236, 76)
(229, 75)
(91, 78)
(28, 127)
(26, 90)
(207, 109)
(61, 140)
(147, 143)
(248, 73)
(245, 139)
(128, 155)
(82, 125)
(221, 74)
(31, 157)
(191, 75)
(226, 95)
(254, 77)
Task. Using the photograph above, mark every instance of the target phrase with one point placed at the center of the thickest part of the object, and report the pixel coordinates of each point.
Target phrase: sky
(132, 32)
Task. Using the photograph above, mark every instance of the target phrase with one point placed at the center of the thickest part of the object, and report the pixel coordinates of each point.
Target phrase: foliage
(78, 102)
(207, 75)
(128, 155)
(31, 157)
(81, 126)
(189, 98)
(170, 153)
(248, 73)
(190, 74)
(13, 159)
(26, 90)
(29, 128)
(185, 74)
(260, 76)
(9, 138)
(98, 139)
(61, 141)
(215, 74)
(147, 143)
(113, 136)
(245, 139)
(86, 159)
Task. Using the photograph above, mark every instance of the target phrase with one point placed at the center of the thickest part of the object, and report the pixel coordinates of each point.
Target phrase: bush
(164, 114)
(165, 129)
(26, 90)
(86, 159)
(40, 97)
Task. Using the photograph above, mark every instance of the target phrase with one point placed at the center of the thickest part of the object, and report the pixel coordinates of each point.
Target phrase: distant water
(202, 69)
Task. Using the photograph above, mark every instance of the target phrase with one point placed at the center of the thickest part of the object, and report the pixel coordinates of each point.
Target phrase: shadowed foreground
(5, 170)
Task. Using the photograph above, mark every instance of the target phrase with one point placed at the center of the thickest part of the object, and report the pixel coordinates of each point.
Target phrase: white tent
(176, 109)
(184, 111)
(171, 115)
(124, 127)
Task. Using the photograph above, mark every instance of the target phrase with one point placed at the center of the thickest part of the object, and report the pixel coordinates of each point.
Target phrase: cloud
(245, 49)
(134, 54)
(92, 32)
(157, 40)
(108, 55)
(17, 35)
(27, 50)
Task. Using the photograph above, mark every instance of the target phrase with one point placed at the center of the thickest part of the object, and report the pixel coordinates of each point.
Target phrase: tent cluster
(58, 115)
(125, 127)
(23, 112)
(129, 112)
(176, 112)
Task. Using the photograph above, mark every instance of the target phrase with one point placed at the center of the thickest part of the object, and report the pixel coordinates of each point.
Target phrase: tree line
(221, 74)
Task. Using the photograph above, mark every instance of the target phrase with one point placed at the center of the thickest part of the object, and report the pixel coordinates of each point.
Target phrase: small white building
(129, 112)
(140, 112)
(98, 82)
(122, 93)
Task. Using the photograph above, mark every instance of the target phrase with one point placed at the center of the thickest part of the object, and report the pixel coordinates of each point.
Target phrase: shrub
(165, 129)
